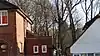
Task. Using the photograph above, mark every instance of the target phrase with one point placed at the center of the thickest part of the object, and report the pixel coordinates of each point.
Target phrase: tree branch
(76, 4)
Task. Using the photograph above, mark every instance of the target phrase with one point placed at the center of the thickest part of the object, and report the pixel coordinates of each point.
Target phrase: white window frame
(44, 46)
(1, 17)
(36, 46)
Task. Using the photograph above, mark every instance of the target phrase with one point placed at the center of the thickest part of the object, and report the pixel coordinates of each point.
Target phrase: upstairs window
(44, 48)
(3, 17)
(36, 49)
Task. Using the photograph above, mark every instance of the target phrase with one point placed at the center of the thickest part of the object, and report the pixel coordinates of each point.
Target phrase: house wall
(89, 42)
(27, 26)
(20, 31)
(39, 41)
(8, 34)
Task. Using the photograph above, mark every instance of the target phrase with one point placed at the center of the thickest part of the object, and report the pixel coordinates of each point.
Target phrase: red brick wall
(30, 42)
(8, 33)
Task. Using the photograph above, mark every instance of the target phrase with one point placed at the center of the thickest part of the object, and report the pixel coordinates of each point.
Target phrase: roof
(30, 35)
(22, 13)
(5, 5)
(87, 25)
(89, 41)
(31, 38)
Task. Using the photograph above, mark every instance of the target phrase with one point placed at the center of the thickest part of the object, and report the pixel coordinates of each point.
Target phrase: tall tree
(64, 10)
(43, 16)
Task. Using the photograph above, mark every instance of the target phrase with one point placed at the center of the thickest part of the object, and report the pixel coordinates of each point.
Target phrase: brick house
(13, 25)
(38, 45)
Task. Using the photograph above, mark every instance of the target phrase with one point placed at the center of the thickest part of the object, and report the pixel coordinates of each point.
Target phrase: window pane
(4, 13)
(97, 54)
(44, 49)
(76, 54)
(36, 49)
(83, 54)
(4, 19)
(90, 54)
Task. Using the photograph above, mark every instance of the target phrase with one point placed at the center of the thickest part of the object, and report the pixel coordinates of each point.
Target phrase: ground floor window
(87, 54)
(83, 54)
(90, 54)
(76, 55)
(97, 54)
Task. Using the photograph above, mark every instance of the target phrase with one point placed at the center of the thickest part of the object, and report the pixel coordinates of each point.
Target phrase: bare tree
(88, 9)
(65, 10)
(40, 12)
(96, 7)
(43, 16)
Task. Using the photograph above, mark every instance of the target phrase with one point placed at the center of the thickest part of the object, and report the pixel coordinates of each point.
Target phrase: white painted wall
(20, 31)
(21, 26)
(89, 42)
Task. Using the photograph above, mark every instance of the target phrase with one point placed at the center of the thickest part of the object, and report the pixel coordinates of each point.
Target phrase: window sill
(36, 52)
(3, 24)
(44, 51)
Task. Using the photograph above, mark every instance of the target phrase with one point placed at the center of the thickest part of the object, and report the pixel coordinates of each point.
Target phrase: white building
(89, 42)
